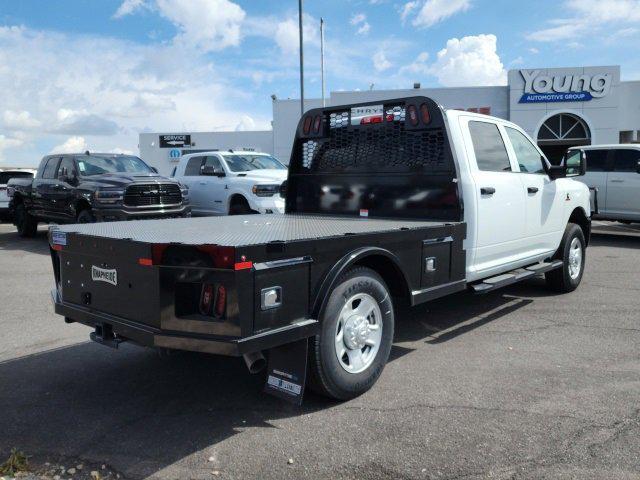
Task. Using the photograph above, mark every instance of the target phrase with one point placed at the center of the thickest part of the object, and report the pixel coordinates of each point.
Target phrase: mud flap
(287, 371)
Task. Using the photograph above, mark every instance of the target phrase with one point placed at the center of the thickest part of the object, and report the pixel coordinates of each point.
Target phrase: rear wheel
(26, 224)
(85, 216)
(353, 346)
(572, 253)
(239, 206)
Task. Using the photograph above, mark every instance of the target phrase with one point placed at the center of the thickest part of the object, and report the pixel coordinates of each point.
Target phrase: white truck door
(213, 187)
(623, 185)
(598, 165)
(500, 222)
(191, 178)
(544, 210)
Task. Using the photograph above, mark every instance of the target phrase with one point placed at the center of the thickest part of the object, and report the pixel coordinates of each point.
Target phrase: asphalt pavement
(521, 383)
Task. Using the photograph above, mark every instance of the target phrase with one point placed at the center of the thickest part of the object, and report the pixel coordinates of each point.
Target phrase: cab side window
(491, 154)
(597, 160)
(67, 168)
(528, 157)
(193, 167)
(50, 168)
(214, 162)
(625, 160)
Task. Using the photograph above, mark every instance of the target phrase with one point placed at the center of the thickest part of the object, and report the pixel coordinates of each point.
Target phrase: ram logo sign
(563, 88)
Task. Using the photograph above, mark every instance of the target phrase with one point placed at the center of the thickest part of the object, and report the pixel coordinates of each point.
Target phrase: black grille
(388, 148)
(152, 195)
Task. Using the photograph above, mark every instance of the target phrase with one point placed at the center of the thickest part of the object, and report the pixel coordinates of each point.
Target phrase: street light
(301, 59)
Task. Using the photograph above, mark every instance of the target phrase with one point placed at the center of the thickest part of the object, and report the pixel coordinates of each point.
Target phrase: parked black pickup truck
(90, 187)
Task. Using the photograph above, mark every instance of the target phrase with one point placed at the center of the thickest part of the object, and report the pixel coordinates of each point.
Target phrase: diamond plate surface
(241, 230)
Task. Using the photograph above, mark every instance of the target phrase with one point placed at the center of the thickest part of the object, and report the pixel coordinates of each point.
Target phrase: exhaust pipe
(255, 361)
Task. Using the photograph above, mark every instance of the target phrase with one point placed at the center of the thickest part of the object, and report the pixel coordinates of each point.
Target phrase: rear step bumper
(504, 279)
(120, 329)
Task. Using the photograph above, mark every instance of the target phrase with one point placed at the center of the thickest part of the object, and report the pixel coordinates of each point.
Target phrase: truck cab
(232, 182)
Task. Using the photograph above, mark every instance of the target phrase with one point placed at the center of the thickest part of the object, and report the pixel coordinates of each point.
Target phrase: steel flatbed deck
(246, 230)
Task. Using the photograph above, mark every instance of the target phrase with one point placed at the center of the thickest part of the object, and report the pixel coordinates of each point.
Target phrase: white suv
(615, 171)
(233, 183)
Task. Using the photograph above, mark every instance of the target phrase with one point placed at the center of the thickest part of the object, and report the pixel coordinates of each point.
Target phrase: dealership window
(597, 160)
(626, 160)
(491, 154)
(193, 167)
(626, 136)
(528, 157)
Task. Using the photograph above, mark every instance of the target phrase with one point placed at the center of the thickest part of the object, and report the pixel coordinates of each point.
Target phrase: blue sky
(79, 74)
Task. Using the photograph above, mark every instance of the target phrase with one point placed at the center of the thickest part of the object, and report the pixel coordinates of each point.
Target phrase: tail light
(213, 300)
(317, 121)
(424, 113)
(412, 114)
(306, 126)
(371, 119)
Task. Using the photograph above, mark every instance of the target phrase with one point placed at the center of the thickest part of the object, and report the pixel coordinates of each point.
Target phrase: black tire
(561, 279)
(240, 207)
(328, 377)
(85, 216)
(26, 224)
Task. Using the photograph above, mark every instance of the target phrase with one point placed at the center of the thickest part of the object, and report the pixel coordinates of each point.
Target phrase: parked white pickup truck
(387, 204)
(233, 183)
(615, 171)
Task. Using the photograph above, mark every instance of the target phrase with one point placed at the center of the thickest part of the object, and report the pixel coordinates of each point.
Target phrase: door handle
(532, 189)
(487, 191)
(616, 180)
(202, 183)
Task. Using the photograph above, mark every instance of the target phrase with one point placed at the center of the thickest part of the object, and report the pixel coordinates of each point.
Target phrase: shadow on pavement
(10, 241)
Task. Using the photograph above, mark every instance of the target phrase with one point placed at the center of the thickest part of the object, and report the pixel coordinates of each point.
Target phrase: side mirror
(211, 171)
(573, 164)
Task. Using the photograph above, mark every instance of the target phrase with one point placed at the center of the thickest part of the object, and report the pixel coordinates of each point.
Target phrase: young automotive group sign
(563, 88)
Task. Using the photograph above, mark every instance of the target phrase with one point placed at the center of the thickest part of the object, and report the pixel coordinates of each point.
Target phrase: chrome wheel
(358, 333)
(575, 258)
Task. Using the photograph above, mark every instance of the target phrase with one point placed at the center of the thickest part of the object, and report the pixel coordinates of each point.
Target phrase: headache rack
(384, 159)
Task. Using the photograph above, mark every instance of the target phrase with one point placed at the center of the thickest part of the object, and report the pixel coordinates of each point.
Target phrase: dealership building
(558, 107)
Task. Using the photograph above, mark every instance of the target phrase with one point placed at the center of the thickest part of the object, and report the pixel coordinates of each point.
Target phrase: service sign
(174, 141)
(541, 88)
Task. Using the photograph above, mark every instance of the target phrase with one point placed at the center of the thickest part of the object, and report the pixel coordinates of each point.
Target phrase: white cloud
(121, 151)
(588, 17)
(245, 124)
(534, 50)
(128, 7)
(471, 60)
(6, 142)
(71, 145)
(419, 66)
(286, 33)
(359, 20)
(19, 120)
(430, 12)
(380, 61)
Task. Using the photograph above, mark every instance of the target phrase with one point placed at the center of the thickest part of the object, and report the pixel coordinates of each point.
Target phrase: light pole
(322, 58)
(301, 59)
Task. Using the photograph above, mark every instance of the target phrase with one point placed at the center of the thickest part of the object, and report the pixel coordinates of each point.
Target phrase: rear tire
(26, 224)
(85, 216)
(572, 253)
(240, 207)
(356, 334)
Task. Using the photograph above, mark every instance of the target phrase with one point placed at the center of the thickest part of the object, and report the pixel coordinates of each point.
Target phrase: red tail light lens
(221, 301)
(371, 119)
(316, 123)
(412, 113)
(306, 126)
(206, 299)
(424, 113)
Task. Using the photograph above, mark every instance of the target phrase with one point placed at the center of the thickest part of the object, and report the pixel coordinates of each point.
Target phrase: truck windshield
(244, 163)
(95, 165)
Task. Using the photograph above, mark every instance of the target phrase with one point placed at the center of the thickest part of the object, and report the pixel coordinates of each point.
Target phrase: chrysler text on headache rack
(373, 218)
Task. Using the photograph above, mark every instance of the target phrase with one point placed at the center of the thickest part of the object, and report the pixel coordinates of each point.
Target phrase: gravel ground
(520, 383)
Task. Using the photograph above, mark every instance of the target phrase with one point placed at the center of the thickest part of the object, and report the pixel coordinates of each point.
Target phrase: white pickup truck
(614, 170)
(392, 203)
(232, 183)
